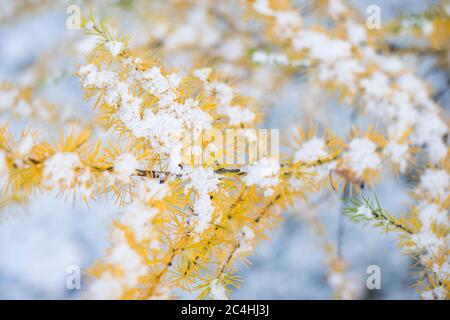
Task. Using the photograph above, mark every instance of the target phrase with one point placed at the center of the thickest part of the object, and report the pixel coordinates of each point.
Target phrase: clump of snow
(25, 145)
(377, 85)
(263, 7)
(125, 166)
(203, 210)
(106, 287)
(427, 241)
(223, 92)
(429, 131)
(23, 108)
(356, 33)
(237, 115)
(152, 189)
(127, 259)
(345, 72)
(139, 218)
(429, 213)
(8, 98)
(347, 286)
(321, 47)
(115, 47)
(265, 58)
(438, 293)
(99, 79)
(362, 155)
(398, 153)
(204, 181)
(435, 182)
(365, 211)
(202, 74)
(442, 271)
(336, 8)
(3, 164)
(245, 240)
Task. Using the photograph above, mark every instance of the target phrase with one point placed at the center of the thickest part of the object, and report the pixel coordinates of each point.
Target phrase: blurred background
(39, 241)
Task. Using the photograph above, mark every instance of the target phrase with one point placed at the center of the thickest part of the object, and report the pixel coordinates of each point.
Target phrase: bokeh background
(39, 241)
